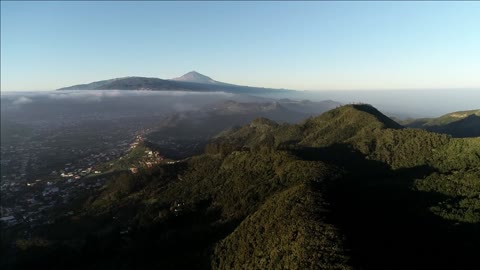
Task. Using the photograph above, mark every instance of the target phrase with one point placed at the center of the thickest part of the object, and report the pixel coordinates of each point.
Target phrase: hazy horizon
(399, 103)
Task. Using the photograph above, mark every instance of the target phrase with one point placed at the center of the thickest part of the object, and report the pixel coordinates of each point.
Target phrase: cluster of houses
(32, 183)
(149, 159)
(30, 201)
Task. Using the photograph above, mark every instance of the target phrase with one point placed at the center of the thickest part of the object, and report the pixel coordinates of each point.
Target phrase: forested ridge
(349, 189)
(460, 124)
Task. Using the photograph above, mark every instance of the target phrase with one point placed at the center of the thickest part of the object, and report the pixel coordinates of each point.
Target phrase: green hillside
(349, 189)
(287, 231)
(452, 117)
(458, 124)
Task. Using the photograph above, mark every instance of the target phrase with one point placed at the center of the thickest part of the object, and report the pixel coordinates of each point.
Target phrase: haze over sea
(398, 103)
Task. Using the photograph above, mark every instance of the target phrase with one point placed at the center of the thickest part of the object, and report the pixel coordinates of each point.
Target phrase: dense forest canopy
(349, 189)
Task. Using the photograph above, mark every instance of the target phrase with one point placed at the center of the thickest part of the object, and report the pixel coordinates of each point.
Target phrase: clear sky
(297, 45)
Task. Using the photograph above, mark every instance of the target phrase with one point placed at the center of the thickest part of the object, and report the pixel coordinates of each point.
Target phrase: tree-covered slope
(410, 185)
(457, 124)
(450, 162)
(349, 189)
(288, 231)
(365, 129)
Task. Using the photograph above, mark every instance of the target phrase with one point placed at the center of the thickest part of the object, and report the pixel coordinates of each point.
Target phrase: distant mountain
(192, 81)
(458, 124)
(196, 77)
(128, 83)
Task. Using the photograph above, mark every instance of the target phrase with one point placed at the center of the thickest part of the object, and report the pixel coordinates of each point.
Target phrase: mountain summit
(192, 81)
(196, 77)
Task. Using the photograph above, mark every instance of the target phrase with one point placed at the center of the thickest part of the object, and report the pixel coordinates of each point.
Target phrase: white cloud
(22, 100)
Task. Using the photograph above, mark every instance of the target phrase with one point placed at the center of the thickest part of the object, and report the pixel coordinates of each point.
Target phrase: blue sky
(297, 45)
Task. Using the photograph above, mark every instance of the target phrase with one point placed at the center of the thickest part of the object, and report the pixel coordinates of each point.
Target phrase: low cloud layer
(87, 96)
(22, 100)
